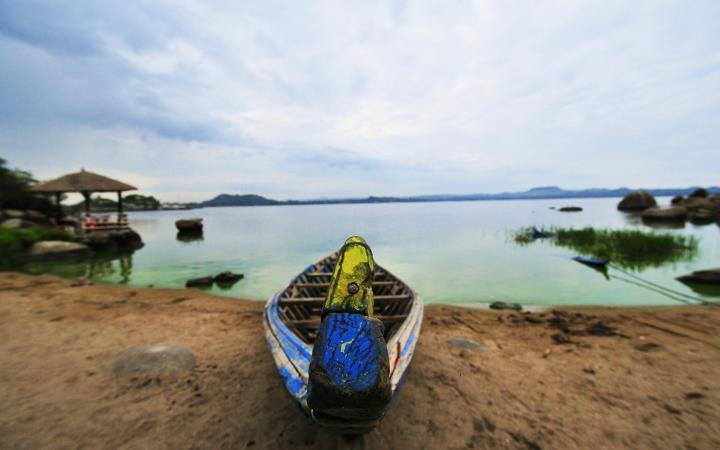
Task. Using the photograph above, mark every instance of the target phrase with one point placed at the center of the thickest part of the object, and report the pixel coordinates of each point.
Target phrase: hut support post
(86, 194)
(120, 204)
(58, 202)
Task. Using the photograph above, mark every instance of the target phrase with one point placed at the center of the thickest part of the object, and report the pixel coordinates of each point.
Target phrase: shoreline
(619, 377)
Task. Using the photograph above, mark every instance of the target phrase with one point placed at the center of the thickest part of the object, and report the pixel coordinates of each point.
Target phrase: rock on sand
(58, 249)
(162, 358)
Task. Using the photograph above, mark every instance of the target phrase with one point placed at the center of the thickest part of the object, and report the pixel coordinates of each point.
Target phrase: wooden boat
(292, 322)
(594, 262)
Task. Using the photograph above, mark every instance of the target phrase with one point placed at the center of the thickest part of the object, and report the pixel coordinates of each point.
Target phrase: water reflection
(636, 219)
(115, 266)
(664, 224)
(226, 285)
(189, 236)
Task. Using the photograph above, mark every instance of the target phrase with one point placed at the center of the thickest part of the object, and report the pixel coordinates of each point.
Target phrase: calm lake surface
(450, 252)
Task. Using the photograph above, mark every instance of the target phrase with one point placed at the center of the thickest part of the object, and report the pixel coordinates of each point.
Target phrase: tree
(15, 191)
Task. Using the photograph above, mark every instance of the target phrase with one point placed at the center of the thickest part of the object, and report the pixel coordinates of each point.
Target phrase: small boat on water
(594, 262)
(342, 334)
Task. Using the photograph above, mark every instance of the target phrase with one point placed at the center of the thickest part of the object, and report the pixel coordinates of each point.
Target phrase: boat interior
(301, 303)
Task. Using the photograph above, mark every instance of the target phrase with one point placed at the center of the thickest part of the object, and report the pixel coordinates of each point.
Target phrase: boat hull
(292, 354)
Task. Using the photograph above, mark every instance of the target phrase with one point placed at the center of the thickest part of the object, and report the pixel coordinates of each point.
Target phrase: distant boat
(592, 261)
(295, 317)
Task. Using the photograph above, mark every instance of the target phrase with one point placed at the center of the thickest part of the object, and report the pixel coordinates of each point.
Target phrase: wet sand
(570, 378)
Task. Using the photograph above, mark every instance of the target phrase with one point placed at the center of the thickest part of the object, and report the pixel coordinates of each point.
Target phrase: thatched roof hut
(85, 183)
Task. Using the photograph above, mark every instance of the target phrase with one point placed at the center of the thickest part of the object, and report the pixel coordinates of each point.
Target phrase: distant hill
(236, 200)
(543, 192)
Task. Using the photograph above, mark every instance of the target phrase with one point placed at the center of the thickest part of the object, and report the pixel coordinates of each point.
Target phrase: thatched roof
(83, 181)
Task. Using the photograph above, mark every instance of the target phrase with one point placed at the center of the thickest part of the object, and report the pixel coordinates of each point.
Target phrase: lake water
(450, 252)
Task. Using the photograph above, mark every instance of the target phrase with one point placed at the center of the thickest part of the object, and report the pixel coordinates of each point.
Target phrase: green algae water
(450, 252)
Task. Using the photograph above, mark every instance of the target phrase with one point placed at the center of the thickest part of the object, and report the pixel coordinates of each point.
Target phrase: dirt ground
(570, 378)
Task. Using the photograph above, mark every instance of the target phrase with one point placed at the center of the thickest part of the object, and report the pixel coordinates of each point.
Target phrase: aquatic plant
(630, 249)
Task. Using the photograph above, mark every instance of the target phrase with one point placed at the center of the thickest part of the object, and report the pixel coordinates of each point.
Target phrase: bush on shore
(16, 241)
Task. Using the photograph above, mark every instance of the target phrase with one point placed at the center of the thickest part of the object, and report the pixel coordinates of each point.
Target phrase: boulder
(637, 201)
(199, 282)
(191, 224)
(665, 214)
(468, 344)
(677, 200)
(58, 249)
(13, 214)
(701, 216)
(702, 210)
(114, 240)
(17, 223)
(35, 216)
(570, 209)
(700, 193)
(503, 305)
(701, 202)
(154, 359)
(711, 276)
(228, 277)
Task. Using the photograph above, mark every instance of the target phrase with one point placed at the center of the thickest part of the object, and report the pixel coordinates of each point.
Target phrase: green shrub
(14, 242)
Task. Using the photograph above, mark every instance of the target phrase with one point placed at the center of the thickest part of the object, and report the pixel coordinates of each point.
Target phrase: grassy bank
(632, 249)
(15, 242)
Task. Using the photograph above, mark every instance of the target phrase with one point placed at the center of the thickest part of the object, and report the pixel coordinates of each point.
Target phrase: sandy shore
(605, 378)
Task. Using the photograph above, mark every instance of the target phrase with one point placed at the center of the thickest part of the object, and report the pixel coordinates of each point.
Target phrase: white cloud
(296, 99)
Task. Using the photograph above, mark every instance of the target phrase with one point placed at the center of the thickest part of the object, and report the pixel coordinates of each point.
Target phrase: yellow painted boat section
(355, 267)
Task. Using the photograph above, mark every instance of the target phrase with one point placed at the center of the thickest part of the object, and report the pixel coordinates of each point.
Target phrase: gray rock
(711, 276)
(570, 209)
(114, 240)
(669, 213)
(637, 201)
(17, 223)
(701, 216)
(155, 359)
(13, 214)
(228, 277)
(33, 215)
(466, 344)
(58, 249)
(199, 282)
(191, 224)
(700, 193)
(677, 200)
(503, 305)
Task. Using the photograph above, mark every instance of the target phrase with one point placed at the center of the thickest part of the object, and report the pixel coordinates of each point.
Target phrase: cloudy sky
(306, 99)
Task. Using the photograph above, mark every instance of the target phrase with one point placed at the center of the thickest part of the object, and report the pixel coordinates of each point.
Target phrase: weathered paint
(402, 345)
(352, 351)
(355, 266)
(293, 379)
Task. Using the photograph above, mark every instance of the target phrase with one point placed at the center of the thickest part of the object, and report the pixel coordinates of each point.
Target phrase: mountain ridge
(540, 192)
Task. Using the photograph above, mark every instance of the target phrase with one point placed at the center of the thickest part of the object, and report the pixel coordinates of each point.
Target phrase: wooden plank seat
(315, 322)
(320, 300)
(378, 274)
(327, 285)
